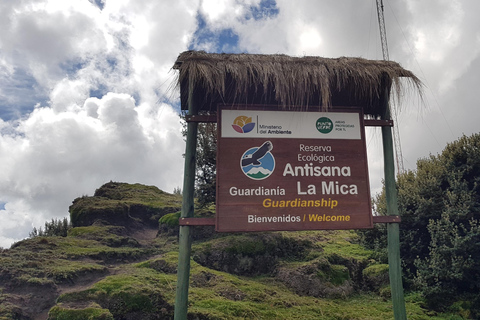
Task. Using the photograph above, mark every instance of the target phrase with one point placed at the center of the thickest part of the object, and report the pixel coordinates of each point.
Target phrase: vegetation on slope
(126, 269)
(129, 205)
(440, 230)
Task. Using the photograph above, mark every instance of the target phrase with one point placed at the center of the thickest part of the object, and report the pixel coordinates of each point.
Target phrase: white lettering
(299, 188)
(260, 191)
(303, 147)
(333, 187)
(308, 170)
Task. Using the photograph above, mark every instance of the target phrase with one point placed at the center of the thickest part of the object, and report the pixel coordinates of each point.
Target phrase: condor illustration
(258, 163)
(259, 154)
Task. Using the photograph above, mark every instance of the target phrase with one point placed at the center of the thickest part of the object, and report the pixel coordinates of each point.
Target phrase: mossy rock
(355, 266)
(120, 190)
(160, 265)
(89, 313)
(338, 274)
(205, 279)
(317, 278)
(137, 293)
(9, 311)
(123, 204)
(252, 254)
(149, 196)
(44, 261)
(112, 236)
(86, 210)
(375, 277)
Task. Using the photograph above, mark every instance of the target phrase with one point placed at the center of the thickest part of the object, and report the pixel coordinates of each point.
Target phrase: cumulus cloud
(53, 157)
(85, 86)
(100, 107)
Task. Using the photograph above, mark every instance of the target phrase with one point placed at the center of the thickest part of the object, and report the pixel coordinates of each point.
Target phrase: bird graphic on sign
(253, 159)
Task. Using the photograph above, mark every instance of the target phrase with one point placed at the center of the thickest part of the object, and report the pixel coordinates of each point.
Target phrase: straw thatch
(290, 82)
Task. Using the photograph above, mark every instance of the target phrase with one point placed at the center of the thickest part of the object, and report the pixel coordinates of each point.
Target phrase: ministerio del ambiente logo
(243, 124)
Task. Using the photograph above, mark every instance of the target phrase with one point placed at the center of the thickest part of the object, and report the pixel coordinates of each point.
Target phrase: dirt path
(143, 236)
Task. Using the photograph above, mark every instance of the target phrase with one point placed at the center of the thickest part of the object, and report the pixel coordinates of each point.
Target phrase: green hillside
(118, 262)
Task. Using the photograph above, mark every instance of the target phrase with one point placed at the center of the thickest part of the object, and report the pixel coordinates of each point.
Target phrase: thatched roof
(291, 82)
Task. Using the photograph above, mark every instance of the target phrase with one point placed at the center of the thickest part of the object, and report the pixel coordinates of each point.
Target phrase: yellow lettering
(267, 203)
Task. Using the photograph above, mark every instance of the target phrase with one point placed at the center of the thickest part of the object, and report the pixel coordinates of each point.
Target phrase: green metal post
(394, 262)
(185, 239)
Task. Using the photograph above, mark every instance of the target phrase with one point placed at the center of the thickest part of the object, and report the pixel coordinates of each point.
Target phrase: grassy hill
(119, 262)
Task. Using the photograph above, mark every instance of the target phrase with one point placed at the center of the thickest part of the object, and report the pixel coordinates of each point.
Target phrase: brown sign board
(291, 170)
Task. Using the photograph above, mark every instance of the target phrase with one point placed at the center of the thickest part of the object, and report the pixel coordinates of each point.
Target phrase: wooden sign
(291, 170)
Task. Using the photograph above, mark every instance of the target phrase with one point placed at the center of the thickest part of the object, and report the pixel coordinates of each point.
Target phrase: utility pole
(393, 229)
(396, 134)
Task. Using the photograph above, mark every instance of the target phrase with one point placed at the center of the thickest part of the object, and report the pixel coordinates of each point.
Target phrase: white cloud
(60, 55)
(72, 143)
(43, 41)
(53, 157)
(310, 39)
(221, 13)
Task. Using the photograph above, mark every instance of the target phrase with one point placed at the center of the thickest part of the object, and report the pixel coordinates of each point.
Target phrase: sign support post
(393, 229)
(185, 238)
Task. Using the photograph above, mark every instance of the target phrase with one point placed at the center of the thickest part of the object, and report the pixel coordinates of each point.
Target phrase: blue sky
(86, 86)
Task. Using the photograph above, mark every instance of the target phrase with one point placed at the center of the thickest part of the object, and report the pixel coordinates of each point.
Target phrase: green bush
(53, 228)
(440, 230)
(375, 270)
(170, 219)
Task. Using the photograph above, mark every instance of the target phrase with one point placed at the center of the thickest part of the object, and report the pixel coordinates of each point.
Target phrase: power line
(394, 115)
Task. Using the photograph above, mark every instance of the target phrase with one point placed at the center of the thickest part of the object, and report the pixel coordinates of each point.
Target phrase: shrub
(53, 228)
